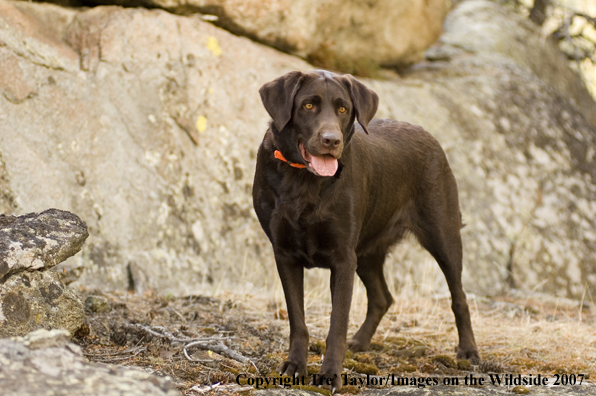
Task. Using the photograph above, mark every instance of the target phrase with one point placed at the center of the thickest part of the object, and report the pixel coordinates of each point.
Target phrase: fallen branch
(218, 347)
(214, 344)
(159, 331)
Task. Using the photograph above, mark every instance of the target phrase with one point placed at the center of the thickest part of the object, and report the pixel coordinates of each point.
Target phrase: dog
(335, 188)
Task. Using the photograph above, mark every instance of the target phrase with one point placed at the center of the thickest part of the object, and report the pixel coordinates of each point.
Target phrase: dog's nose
(331, 139)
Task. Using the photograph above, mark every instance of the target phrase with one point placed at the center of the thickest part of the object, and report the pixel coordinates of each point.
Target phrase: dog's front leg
(292, 280)
(342, 284)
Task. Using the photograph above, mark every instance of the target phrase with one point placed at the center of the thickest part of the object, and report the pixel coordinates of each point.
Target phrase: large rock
(116, 140)
(30, 298)
(333, 33)
(146, 124)
(39, 240)
(35, 300)
(45, 363)
(519, 128)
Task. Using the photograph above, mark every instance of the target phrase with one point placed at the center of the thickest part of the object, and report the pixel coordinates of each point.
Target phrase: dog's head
(314, 113)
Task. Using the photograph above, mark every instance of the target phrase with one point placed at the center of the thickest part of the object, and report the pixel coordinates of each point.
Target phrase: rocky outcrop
(39, 240)
(147, 124)
(30, 298)
(46, 363)
(332, 33)
(34, 300)
(519, 130)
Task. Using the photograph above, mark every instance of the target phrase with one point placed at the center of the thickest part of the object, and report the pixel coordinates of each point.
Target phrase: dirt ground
(417, 338)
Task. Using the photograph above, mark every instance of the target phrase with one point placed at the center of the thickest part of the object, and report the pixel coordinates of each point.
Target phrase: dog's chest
(310, 234)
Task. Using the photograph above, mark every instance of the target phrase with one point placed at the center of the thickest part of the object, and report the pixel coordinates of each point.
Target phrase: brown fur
(393, 178)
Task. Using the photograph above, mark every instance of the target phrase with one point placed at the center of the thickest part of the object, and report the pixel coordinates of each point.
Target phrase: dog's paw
(328, 379)
(470, 354)
(356, 345)
(292, 368)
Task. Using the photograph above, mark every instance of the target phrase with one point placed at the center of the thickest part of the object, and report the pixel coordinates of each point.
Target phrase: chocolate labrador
(336, 189)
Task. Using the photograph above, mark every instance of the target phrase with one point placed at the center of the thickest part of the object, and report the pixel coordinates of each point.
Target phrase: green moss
(363, 358)
(362, 368)
(408, 368)
(318, 347)
(464, 365)
(445, 361)
(377, 346)
(520, 390)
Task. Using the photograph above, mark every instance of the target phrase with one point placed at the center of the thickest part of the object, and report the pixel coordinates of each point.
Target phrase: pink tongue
(324, 165)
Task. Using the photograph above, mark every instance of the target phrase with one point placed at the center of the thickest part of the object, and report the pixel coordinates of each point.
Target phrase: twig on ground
(219, 347)
(124, 352)
(207, 343)
(161, 332)
(108, 359)
(178, 314)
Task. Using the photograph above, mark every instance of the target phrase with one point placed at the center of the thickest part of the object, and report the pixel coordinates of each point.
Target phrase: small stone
(520, 390)
(97, 304)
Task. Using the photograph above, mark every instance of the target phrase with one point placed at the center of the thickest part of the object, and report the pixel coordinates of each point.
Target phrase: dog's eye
(308, 106)
(342, 109)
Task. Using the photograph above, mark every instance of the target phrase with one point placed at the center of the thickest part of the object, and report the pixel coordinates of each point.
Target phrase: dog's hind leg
(370, 271)
(438, 230)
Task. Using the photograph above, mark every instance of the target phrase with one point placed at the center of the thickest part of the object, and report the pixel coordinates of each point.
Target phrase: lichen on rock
(39, 240)
(45, 362)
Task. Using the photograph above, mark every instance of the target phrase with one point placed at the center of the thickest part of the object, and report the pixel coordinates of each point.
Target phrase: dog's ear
(278, 97)
(365, 100)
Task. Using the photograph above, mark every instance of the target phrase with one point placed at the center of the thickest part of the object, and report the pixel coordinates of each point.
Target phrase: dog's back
(397, 169)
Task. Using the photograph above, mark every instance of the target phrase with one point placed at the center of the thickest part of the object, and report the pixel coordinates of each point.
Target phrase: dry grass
(530, 333)
(517, 334)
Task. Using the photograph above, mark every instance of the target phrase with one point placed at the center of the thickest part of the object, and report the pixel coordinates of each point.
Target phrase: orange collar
(280, 157)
